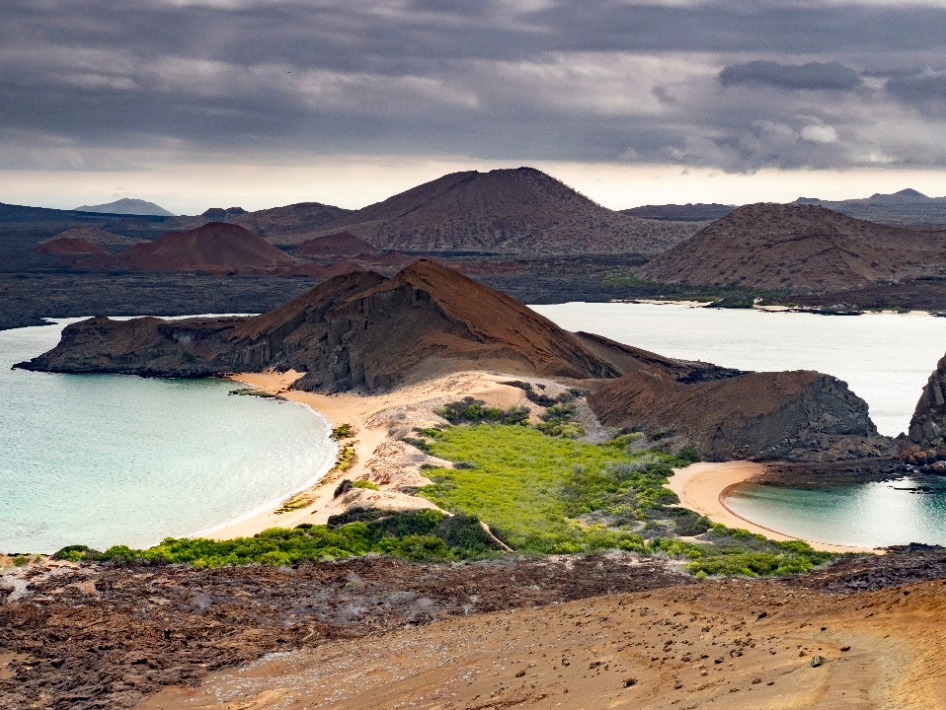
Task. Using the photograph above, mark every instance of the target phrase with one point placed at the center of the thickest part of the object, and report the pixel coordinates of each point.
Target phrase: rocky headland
(795, 416)
(367, 333)
(927, 432)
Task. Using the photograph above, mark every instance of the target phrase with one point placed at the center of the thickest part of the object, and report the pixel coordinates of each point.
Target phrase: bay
(112, 459)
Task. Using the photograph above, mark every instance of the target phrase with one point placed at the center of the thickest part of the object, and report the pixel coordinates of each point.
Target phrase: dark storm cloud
(813, 76)
(514, 79)
(922, 89)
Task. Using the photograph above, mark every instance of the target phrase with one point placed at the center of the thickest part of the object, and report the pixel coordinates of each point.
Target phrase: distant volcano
(127, 205)
(521, 211)
(798, 248)
(212, 248)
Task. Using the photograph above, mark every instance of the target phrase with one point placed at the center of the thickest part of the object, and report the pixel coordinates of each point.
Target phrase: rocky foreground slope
(517, 632)
(798, 248)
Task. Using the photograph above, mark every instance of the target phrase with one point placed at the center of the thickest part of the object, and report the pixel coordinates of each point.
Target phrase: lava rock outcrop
(927, 430)
(761, 415)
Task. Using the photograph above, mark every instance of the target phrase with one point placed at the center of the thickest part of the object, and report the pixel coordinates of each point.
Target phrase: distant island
(127, 205)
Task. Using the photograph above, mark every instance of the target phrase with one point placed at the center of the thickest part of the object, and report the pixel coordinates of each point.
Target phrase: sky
(258, 103)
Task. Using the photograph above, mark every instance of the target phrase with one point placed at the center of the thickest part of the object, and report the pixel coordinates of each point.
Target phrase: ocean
(102, 460)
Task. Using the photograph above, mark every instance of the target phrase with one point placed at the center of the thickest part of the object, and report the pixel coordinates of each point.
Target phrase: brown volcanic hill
(798, 248)
(95, 235)
(289, 224)
(521, 211)
(761, 415)
(335, 245)
(690, 212)
(363, 331)
(70, 246)
(212, 248)
(356, 331)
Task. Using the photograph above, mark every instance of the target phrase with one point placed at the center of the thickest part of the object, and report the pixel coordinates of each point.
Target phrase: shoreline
(702, 487)
(379, 421)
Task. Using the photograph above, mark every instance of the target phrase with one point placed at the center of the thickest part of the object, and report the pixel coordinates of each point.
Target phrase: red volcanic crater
(69, 246)
(213, 248)
(336, 245)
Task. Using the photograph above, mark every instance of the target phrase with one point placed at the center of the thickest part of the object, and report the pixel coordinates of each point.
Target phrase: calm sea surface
(111, 459)
(885, 359)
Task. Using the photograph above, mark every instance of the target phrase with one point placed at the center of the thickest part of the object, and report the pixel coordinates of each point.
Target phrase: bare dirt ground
(724, 645)
(570, 632)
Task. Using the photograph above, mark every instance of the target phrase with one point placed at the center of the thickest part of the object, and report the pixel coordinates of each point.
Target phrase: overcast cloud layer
(731, 85)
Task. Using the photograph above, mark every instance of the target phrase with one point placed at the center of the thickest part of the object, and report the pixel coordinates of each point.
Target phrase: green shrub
(474, 411)
(73, 553)
(343, 431)
(362, 483)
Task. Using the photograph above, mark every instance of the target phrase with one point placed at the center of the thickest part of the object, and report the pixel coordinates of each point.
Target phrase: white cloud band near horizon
(357, 181)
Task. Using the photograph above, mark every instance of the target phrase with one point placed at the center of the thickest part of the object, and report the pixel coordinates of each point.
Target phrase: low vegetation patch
(343, 431)
(559, 420)
(474, 411)
(541, 494)
(423, 535)
(347, 457)
(537, 493)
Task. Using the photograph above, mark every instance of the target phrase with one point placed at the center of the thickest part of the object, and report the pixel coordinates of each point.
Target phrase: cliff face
(356, 331)
(765, 416)
(928, 425)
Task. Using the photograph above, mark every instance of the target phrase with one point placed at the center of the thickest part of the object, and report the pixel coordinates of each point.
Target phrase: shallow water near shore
(875, 514)
(110, 459)
(885, 358)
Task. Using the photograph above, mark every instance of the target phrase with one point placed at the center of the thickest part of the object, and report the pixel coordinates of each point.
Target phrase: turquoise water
(885, 358)
(111, 459)
(862, 515)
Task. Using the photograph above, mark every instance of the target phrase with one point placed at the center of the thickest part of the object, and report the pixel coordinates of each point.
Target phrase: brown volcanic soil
(335, 245)
(102, 637)
(520, 211)
(95, 235)
(376, 633)
(760, 415)
(798, 248)
(212, 248)
(70, 246)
